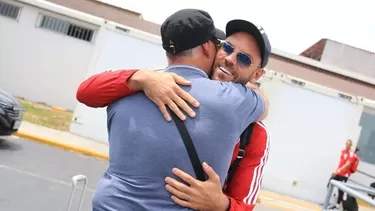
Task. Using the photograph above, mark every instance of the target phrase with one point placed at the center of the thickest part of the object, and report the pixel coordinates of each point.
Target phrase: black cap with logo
(257, 32)
(188, 28)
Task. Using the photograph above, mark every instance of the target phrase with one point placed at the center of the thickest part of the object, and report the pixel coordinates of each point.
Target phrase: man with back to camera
(241, 192)
(144, 147)
(355, 163)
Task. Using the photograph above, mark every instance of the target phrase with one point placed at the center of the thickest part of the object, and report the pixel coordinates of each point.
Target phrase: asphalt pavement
(38, 177)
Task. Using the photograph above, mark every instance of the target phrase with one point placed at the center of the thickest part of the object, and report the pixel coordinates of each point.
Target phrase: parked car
(11, 113)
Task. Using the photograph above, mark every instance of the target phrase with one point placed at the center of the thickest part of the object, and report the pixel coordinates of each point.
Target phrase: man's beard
(212, 70)
(243, 82)
(211, 74)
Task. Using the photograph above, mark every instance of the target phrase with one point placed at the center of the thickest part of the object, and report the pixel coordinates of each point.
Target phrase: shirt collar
(183, 68)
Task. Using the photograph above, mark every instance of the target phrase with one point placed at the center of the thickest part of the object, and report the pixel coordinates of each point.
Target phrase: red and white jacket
(104, 88)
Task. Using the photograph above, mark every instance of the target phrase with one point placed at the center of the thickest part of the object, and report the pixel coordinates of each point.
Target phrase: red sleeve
(103, 88)
(353, 158)
(243, 189)
(354, 165)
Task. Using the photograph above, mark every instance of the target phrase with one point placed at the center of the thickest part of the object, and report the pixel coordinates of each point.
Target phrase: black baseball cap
(258, 33)
(188, 28)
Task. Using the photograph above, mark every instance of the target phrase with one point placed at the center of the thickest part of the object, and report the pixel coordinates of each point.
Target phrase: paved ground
(261, 207)
(37, 177)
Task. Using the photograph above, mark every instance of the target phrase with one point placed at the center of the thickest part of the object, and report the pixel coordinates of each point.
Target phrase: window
(366, 142)
(67, 28)
(9, 10)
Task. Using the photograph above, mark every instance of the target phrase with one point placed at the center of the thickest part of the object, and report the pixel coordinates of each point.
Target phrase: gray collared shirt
(144, 147)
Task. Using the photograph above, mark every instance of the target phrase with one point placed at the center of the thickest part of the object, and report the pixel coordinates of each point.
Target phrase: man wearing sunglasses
(231, 64)
(144, 147)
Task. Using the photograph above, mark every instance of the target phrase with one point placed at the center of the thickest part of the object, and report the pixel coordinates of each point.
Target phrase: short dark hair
(173, 57)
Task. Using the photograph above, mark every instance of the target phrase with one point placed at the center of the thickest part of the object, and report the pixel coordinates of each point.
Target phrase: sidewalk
(289, 203)
(63, 140)
(68, 141)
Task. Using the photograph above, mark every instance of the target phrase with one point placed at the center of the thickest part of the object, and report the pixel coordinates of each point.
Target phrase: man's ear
(258, 74)
(206, 48)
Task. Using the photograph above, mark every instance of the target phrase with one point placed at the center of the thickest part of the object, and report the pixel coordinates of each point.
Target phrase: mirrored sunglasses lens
(244, 59)
(228, 48)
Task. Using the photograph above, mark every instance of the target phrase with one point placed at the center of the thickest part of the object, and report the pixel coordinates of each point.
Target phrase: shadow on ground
(8, 144)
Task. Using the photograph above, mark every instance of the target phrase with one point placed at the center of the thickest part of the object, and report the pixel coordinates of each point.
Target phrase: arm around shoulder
(103, 88)
(248, 102)
(264, 98)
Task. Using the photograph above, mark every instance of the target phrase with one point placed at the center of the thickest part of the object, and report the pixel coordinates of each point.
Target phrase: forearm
(344, 167)
(262, 97)
(243, 190)
(266, 104)
(137, 80)
(242, 195)
(102, 89)
(238, 205)
(223, 204)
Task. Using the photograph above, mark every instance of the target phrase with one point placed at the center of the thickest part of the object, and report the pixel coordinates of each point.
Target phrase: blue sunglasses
(242, 58)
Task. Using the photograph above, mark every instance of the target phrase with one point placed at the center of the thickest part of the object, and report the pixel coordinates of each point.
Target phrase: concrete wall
(308, 127)
(350, 58)
(321, 76)
(39, 64)
(92, 122)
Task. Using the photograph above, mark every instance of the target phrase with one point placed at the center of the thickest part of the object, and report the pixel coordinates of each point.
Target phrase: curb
(287, 204)
(364, 204)
(61, 145)
(58, 109)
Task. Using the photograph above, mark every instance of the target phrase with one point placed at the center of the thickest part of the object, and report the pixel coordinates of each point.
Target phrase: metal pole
(364, 173)
(328, 196)
(354, 193)
(359, 188)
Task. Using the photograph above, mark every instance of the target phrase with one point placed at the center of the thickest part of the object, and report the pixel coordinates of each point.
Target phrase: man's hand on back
(163, 89)
(198, 195)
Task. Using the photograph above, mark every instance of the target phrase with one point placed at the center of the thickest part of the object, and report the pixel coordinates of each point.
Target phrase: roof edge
(329, 68)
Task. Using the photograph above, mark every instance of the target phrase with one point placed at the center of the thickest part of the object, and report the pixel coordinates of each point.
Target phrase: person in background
(162, 88)
(354, 166)
(343, 171)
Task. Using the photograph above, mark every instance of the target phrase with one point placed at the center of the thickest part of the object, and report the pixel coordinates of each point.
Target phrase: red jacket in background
(346, 155)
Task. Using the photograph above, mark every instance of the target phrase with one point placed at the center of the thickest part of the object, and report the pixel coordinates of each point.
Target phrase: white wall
(349, 58)
(117, 50)
(308, 129)
(38, 64)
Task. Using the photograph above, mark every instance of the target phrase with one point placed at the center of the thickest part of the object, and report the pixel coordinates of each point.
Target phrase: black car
(11, 113)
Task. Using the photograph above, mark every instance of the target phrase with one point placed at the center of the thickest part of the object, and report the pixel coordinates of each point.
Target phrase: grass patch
(41, 114)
